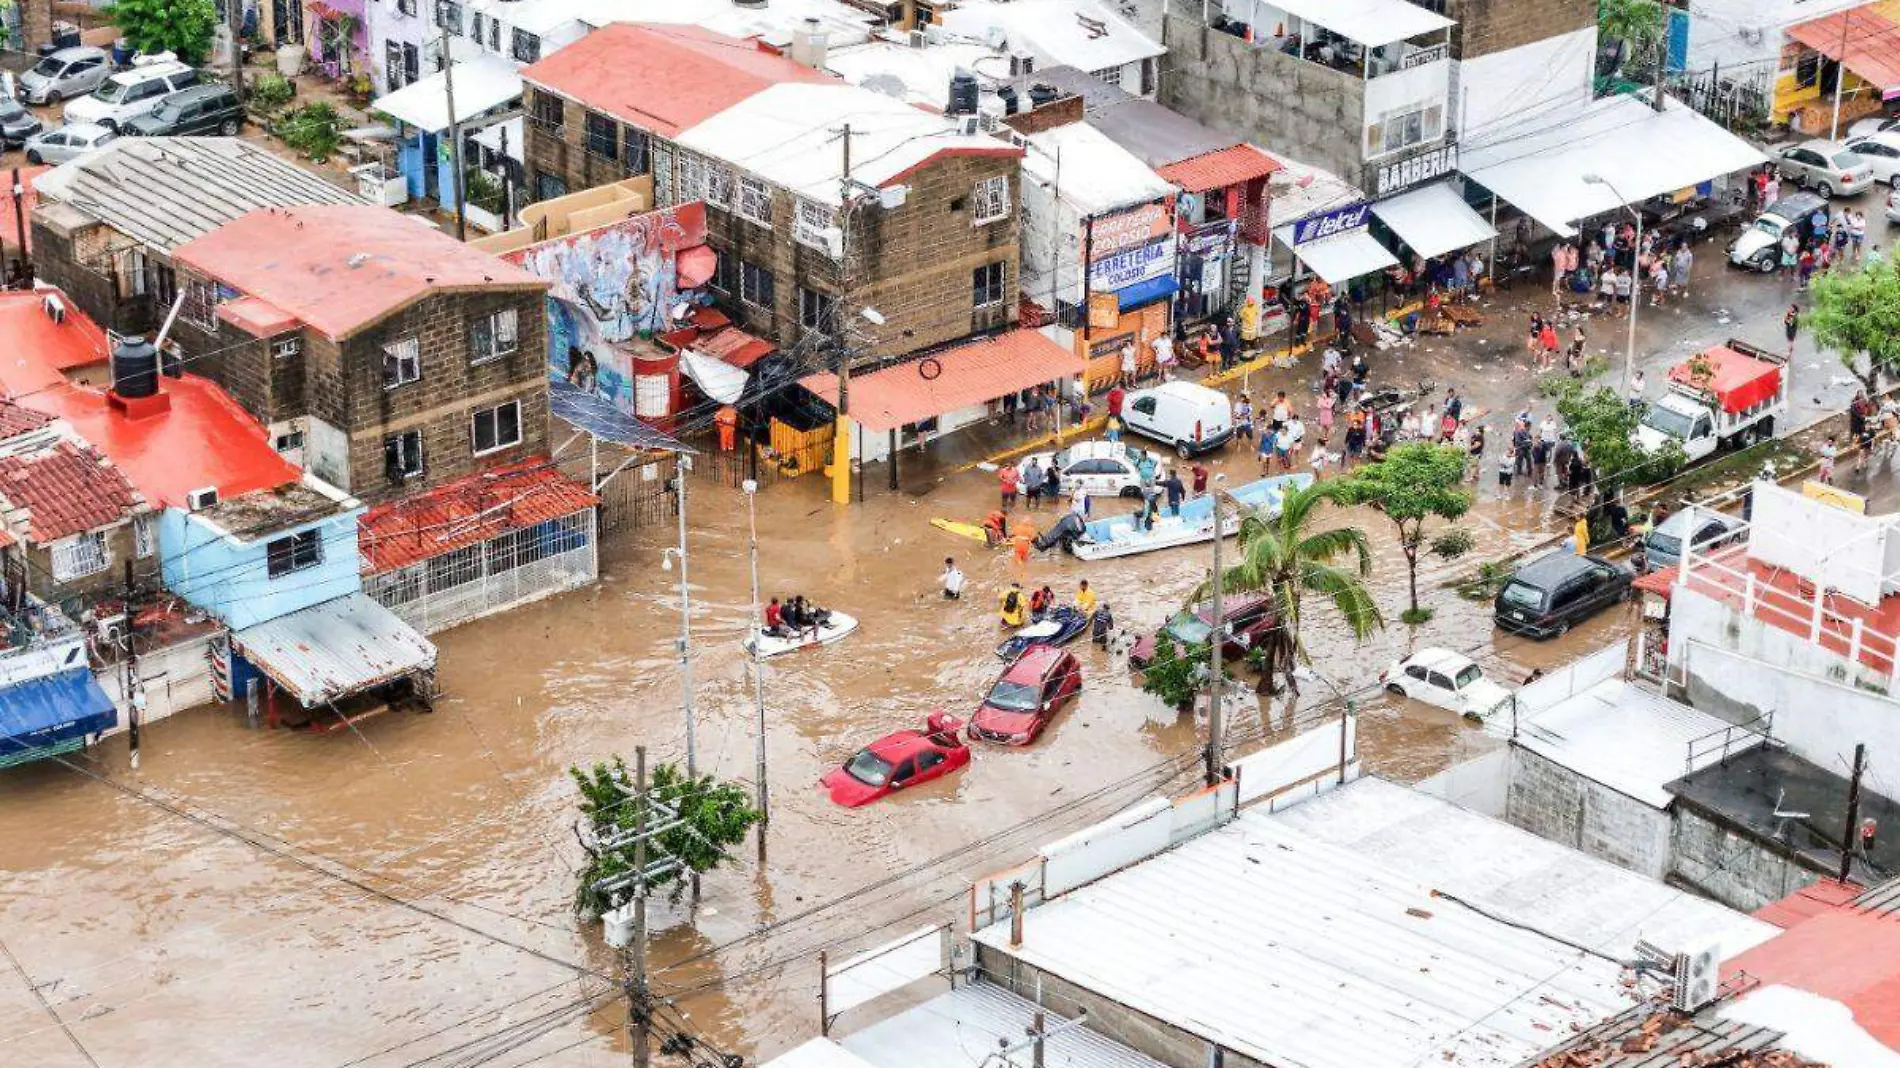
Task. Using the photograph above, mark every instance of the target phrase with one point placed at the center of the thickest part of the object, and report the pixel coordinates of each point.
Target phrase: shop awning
(1340, 258)
(1142, 294)
(1871, 50)
(1369, 22)
(51, 714)
(335, 649)
(1233, 165)
(1641, 151)
(1433, 220)
(598, 416)
(481, 85)
(969, 374)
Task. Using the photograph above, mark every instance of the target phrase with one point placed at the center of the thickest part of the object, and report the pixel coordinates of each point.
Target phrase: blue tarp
(1144, 293)
(598, 416)
(51, 714)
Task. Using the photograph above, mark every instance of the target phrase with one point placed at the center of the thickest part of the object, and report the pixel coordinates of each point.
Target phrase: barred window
(402, 362)
(636, 151)
(492, 336)
(200, 308)
(755, 201)
(603, 135)
(718, 185)
(298, 552)
(527, 47)
(810, 222)
(79, 556)
(402, 455)
(692, 181)
(755, 283)
(989, 201)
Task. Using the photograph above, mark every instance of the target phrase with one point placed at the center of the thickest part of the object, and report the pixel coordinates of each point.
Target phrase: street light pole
(1636, 279)
(1216, 722)
(751, 488)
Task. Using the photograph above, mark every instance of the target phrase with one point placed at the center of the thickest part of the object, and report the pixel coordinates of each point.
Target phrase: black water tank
(135, 368)
(963, 94)
(1041, 94)
(1007, 94)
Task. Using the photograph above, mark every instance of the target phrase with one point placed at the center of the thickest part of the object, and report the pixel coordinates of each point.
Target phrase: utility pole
(639, 1016)
(1662, 57)
(751, 488)
(234, 17)
(1853, 811)
(508, 196)
(455, 145)
(1037, 1035)
(841, 435)
(1840, 76)
(25, 274)
(1216, 724)
(684, 465)
(130, 688)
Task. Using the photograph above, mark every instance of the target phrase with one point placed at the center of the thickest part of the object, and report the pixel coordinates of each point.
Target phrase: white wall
(1695, 618)
(1479, 785)
(1050, 233)
(175, 678)
(1524, 86)
(1735, 33)
(1402, 91)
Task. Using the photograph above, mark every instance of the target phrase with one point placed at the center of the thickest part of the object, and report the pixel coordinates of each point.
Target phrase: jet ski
(1062, 626)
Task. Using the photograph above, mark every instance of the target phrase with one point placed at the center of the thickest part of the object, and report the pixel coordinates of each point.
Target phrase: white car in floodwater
(1103, 468)
(1449, 680)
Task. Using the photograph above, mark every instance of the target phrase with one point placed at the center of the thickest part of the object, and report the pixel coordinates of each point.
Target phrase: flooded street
(385, 896)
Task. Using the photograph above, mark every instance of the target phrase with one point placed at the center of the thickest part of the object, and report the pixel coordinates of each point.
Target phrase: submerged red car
(1027, 696)
(899, 760)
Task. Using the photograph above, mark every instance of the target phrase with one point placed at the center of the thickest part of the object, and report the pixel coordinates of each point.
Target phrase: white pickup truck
(1725, 396)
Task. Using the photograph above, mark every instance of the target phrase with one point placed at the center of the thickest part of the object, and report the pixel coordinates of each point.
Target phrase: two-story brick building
(784, 157)
(384, 355)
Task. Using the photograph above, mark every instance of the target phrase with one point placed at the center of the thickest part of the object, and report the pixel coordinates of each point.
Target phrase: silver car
(1662, 547)
(65, 74)
(1826, 167)
(68, 142)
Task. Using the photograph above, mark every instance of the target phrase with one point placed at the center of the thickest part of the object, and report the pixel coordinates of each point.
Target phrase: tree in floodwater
(1415, 482)
(1857, 314)
(714, 818)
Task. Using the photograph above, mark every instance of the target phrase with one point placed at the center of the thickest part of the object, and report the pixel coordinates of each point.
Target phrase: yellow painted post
(841, 462)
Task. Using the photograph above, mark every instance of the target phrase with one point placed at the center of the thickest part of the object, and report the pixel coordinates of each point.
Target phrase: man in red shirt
(1006, 475)
(1115, 397)
(774, 618)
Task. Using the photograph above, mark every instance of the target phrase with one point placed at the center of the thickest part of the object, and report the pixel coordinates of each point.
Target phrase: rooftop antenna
(1782, 816)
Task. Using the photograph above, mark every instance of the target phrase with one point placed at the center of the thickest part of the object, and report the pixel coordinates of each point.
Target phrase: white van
(1191, 418)
(131, 93)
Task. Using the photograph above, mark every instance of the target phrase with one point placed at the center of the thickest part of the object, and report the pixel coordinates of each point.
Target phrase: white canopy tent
(1433, 220)
(1341, 257)
(1641, 151)
(1369, 22)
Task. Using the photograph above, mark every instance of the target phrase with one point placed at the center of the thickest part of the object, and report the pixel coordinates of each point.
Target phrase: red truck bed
(1738, 380)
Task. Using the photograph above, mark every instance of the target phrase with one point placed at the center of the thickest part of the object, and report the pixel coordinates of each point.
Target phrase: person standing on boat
(1175, 489)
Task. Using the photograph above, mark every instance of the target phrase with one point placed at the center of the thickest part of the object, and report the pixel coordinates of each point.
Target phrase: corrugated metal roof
(165, 191)
(958, 1028)
(967, 374)
(817, 1053)
(335, 649)
(1648, 1037)
(466, 512)
(1314, 936)
(1628, 739)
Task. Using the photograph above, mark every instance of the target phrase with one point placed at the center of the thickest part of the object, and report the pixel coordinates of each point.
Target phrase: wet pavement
(379, 897)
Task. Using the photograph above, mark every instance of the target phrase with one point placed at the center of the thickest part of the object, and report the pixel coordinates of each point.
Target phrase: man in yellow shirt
(1015, 606)
(1085, 599)
(1249, 323)
(1583, 534)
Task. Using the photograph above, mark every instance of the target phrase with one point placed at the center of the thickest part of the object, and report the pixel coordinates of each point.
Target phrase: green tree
(1414, 483)
(1856, 313)
(1284, 555)
(715, 817)
(1176, 676)
(1638, 24)
(1604, 425)
(181, 26)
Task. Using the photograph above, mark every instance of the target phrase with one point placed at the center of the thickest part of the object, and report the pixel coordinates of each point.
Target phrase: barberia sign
(1331, 224)
(1416, 170)
(1425, 55)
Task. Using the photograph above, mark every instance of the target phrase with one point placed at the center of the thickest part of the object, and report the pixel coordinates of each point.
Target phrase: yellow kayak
(961, 530)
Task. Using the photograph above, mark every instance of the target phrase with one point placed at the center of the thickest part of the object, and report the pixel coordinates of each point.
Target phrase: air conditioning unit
(988, 122)
(918, 38)
(969, 125)
(199, 499)
(1697, 978)
(55, 308)
(892, 197)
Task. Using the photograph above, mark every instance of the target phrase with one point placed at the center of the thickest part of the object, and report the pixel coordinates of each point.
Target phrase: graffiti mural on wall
(610, 285)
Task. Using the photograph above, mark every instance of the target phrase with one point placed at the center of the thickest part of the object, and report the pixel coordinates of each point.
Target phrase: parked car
(1447, 679)
(1662, 547)
(65, 74)
(1027, 696)
(1759, 246)
(131, 93)
(1882, 153)
(1557, 590)
(199, 110)
(68, 142)
(1104, 468)
(899, 760)
(1893, 206)
(1188, 417)
(1871, 125)
(1244, 619)
(16, 124)
(1826, 167)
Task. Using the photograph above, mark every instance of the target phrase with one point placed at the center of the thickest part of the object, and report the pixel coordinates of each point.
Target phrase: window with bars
(989, 201)
(492, 336)
(814, 311)
(527, 47)
(603, 135)
(1108, 75)
(635, 151)
(755, 201)
(448, 15)
(200, 308)
(718, 185)
(298, 552)
(810, 221)
(144, 543)
(496, 428)
(402, 362)
(402, 455)
(692, 178)
(986, 285)
(79, 556)
(726, 274)
(755, 285)
(550, 111)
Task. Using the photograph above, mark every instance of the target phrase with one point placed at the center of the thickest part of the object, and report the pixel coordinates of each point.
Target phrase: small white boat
(1121, 536)
(765, 646)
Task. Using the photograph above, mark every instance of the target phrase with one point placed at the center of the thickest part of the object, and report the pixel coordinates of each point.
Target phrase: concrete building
(1082, 34)
(105, 227)
(384, 355)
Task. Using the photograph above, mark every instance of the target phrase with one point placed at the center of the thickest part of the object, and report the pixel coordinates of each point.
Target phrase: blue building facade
(247, 580)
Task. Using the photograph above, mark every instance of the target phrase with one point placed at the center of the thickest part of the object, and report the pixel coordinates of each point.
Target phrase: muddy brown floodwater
(195, 912)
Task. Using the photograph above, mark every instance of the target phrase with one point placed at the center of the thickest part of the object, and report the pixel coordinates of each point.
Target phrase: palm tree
(1283, 555)
(1637, 26)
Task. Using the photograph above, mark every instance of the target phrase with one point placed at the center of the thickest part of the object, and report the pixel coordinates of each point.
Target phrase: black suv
(1547, 595)
(201, 109)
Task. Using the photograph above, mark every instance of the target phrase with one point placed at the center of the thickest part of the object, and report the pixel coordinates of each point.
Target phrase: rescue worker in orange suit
(728, 422)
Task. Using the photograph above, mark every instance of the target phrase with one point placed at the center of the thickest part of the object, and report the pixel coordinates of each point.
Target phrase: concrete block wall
(563, 151)
(68, 260)
(1307, 111)
(1488, 26)
(1554, 802)
(76, 595)
(1738, 871)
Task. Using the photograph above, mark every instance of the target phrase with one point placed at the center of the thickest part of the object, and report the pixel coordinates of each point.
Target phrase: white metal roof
(1627, 738)
(1299, 190)
(916, 75)
(481, 85)
(960, 1027)
(1540, 164)
(1433, 220)
(1311, 937)
(1369, 22)
(1341, 257)
(1065, 31)
(787, 135)
(818, 1053)
(843, 24)
(336, 648)
(1097, 176)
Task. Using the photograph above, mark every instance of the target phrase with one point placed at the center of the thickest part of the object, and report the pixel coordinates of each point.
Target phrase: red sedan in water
(1027, 696)
(899, 760)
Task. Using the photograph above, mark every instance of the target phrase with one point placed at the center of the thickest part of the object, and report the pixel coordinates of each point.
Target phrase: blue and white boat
(1120, 535)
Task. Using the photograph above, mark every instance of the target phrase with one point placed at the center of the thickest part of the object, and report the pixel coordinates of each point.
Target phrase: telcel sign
(1331, 224)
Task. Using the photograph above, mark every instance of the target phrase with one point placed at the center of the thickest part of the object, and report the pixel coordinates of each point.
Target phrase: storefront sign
(1111, 234)
(1213, 240)
(1401, 175)
(1425, 55)
(1337, 221)
(1137, 264)
(1110, 347)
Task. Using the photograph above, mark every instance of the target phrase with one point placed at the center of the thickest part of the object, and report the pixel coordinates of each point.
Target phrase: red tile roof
(1843, 953)
(1870, 50)
(734, 346)
(1220, 169)
(663, 78)
(16, 420)
(467, 512)
(65, 490)
(962, 376)
(37, 349)
(341, 268)
(9, 234)
(1806, 903)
